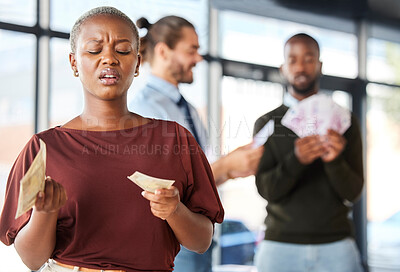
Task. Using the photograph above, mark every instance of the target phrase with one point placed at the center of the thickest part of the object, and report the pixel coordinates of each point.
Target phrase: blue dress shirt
(159, 99)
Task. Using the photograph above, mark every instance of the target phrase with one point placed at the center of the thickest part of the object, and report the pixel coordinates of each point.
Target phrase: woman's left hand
(163, 202)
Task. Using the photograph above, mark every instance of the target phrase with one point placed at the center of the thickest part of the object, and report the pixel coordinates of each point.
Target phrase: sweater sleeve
(345, 173)
(276, 176)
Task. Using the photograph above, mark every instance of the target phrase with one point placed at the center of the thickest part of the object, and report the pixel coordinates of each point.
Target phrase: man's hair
(167, 30)
(304, 37)
(105, 10)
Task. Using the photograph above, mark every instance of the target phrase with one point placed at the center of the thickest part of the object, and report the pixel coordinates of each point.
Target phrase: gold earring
(76, 73)
(136, 74)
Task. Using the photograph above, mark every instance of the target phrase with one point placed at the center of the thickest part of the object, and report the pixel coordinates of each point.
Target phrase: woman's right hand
(53, 197)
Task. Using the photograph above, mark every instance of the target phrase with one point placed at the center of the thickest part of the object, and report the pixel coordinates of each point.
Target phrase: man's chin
(304, 91)
(186, 80)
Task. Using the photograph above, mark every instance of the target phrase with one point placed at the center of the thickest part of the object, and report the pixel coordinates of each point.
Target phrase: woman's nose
(109, 57)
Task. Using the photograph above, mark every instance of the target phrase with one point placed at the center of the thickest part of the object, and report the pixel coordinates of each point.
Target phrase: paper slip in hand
(262, 136)
(33, 182)
(149, 183)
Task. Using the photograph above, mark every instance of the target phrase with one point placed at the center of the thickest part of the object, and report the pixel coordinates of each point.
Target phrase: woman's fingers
(53, 197)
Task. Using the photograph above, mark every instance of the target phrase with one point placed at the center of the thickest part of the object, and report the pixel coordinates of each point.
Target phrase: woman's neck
(105, 118)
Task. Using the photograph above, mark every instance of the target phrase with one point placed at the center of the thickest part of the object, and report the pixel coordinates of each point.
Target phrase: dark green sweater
(308, 204)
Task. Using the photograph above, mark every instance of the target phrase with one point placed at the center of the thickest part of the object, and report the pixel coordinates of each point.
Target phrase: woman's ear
(139, 60)
(72, 62)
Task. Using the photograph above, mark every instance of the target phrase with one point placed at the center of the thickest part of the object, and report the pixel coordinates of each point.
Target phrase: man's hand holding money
(308, 149)
(334, 144)
(327, 147)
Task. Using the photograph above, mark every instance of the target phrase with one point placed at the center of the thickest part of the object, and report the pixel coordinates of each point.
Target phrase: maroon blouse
(106, 223)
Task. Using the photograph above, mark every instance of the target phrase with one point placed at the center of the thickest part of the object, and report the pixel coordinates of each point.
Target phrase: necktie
(182, 103)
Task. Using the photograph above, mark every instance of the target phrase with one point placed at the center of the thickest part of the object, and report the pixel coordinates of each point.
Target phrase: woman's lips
(109, 76)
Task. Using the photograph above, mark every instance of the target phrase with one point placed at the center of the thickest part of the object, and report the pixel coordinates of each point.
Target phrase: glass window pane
(383, 61)
(66, 95)
(260, 40)
(243, 101)
(383, 156)
(17, 77)
(22, 12)
(64, 13)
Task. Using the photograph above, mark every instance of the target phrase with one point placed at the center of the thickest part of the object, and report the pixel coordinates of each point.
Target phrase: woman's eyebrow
(101, 41)
(94, 41)
(123, 40)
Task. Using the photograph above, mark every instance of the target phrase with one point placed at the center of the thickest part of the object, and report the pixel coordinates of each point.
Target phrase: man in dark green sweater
(309, 182)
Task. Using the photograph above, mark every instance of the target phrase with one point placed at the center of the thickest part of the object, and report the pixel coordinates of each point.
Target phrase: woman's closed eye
(94, 52)
(122, 52)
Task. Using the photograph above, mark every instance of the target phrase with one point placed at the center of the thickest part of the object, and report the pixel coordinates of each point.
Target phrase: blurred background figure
(171, 47)
(307, 181)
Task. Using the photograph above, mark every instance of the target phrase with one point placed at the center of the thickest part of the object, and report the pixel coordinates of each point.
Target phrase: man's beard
(181, 75)
(185, 79)
(310, 88)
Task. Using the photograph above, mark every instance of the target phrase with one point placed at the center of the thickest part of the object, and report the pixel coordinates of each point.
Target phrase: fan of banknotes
(315, 115)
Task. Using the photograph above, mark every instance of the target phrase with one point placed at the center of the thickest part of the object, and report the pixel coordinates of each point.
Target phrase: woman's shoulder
(165, 123)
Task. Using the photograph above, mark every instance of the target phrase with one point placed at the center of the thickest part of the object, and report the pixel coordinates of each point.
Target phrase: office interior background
(238, 81)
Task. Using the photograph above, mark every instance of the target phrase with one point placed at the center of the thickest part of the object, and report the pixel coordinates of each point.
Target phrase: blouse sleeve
(9, 226)
(201, 195)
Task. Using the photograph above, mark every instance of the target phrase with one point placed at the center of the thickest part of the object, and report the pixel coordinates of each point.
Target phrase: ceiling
(334, 14)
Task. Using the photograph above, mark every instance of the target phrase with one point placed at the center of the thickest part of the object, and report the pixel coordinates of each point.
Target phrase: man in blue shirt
(171, 48)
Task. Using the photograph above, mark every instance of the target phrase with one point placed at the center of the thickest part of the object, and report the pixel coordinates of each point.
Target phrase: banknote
(315, 115)
(149, 183)
(262, 136)
(32, 182)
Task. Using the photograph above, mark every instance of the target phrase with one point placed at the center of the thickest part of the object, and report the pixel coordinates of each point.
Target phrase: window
(17, 101)
(243, 101)
(16, 97)
(383, 64)
(260, 40)
(22, 12)
(66, 94)
(383, 155)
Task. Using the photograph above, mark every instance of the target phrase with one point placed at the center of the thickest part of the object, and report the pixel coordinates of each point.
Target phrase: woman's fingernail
(143, 193)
